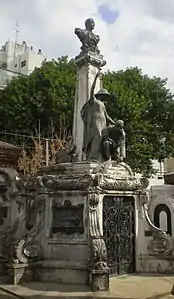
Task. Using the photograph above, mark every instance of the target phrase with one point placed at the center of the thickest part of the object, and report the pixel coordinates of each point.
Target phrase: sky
(132, 32)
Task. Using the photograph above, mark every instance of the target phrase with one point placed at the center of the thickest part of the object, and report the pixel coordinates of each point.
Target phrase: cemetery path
(123, 287)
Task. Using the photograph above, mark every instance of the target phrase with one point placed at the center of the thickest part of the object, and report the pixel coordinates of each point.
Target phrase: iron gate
(118, 231)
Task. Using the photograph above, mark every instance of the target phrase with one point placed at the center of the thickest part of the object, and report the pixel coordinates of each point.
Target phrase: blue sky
(132, 33)
(108, 15)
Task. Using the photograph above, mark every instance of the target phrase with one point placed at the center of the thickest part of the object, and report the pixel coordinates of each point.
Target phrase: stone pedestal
(58, 235)
(100, 280)
(87, 67)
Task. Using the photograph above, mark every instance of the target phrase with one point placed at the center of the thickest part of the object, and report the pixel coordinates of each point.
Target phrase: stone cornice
(90, 58)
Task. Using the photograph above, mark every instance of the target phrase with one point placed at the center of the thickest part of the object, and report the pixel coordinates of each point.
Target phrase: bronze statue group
(101, 142)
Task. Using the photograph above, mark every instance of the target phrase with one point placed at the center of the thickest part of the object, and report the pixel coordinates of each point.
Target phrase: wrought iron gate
(118, 230)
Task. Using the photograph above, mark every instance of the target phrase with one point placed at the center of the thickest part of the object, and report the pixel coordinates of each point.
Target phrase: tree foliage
(46, 96)
(145, 105)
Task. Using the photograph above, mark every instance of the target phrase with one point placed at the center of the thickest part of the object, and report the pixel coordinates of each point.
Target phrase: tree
(46, 96)
(145, 105)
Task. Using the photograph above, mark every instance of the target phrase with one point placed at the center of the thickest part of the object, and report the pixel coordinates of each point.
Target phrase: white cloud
(143, 34)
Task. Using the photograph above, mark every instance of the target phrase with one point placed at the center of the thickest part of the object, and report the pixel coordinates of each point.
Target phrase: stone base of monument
(62, 272)
(20, 273)
(58, 233)
(99, 280)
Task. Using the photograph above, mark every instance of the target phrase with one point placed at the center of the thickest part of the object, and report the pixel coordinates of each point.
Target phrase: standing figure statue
(94, 116)
(88, 39)
(113, 142)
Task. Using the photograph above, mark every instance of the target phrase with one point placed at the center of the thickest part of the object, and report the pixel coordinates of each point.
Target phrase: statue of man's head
(90, 24)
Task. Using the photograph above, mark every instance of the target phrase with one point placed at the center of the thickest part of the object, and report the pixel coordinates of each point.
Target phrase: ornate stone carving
(100, 282)
(109, 175)
(27, 249)
(162, 243)
(90, 58)
(66, 182)
(19, 244)
(112, 175)
(109, 183)
(8, 231)
(98, 254)
(68, 154)
(94, 226)
(98, 266)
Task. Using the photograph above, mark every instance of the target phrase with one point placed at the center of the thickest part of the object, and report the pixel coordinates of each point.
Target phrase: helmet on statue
(102, 92)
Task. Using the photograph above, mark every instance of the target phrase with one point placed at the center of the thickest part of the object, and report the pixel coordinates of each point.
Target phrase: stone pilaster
(87, 66)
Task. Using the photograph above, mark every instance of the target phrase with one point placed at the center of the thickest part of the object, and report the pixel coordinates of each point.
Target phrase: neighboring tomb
(157, 252)
(9, 156)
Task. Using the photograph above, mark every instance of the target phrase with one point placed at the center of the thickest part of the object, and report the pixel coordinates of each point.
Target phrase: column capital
(94, 59)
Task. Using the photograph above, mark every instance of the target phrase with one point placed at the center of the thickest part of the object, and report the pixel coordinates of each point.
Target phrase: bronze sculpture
(113, 142)
(88, 39)
(94, 116)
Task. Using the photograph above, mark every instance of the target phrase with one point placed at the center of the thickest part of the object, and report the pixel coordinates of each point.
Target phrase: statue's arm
(80, 33)
(77, 30)
(108, 118)
(94, 84)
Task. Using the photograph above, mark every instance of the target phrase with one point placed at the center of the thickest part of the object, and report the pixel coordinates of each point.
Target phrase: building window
(162, 218)
(16, 65)
(23, 63)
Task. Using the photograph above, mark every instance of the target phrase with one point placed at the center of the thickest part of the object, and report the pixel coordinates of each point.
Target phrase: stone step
(4, 279)
(62, 272)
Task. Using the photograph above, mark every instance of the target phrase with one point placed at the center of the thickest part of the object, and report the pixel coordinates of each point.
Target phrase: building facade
(16, 59)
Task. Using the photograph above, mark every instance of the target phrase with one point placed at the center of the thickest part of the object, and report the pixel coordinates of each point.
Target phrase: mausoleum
(87, 217)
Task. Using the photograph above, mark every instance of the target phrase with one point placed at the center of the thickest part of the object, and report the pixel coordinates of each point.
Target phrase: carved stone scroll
(19, 243)
(94, 227)
(162, 243)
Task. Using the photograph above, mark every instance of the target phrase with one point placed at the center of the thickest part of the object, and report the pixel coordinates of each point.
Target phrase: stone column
(88, 65)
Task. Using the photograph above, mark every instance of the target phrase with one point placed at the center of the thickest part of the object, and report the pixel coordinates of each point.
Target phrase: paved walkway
(130, 286)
